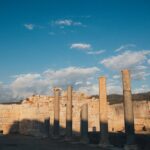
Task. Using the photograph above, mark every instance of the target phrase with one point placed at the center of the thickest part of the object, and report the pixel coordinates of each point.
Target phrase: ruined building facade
(35, 115)
(68, 113)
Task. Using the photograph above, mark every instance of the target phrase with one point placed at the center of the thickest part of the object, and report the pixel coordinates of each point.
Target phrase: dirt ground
(19, 142)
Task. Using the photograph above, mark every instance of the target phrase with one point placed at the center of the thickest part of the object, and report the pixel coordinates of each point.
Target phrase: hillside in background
(116, 98)
(113, 98)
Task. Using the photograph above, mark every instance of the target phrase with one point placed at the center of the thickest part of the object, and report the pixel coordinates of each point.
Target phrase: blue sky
(47, 43)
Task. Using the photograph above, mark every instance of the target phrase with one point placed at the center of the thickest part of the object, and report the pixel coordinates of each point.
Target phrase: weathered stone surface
(9, 118)
(103, 111)
(84, 122)
(128, 107)
(14, 117)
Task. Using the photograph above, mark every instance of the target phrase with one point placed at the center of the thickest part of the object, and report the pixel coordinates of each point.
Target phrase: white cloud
(116, 76)
(95, 52)
(67, 22)
(114, 86)
(82, 46)
(29, 26)
(139, 74)
(140, 67)
(148, 61)
(33, 26)
(93, 89)
(125, 60)
(5, 92)
(142, 89)
(71, 72)
(78, 83)
(114, 89)
(89, 89)
(125, 47)
(87, 48)
(25, 85)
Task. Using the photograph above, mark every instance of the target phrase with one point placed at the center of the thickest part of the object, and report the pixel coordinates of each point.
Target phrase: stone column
(69, 112)
(56, 111)
(103, 112)
(128, 108)
(84, 123)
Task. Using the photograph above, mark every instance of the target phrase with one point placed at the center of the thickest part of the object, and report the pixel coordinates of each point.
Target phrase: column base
(131, 147)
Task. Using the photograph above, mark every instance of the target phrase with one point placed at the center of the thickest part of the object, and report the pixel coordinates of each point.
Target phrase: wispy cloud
(116, 76)
(127, 59)
(143, 88)
(113, 87)
(87, 48)
(81, 46)
(96, 52)
(139, 72)
(125, 47)
(140, 75)
(67, 22)
(29, 26)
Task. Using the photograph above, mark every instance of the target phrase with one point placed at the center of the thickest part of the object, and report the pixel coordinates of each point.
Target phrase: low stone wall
(35, 115)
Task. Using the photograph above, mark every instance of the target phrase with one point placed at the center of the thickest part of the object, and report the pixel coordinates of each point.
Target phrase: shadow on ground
(119, 139)
(37, 136)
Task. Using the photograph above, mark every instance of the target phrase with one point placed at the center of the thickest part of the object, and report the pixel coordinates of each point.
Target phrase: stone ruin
(74, 114)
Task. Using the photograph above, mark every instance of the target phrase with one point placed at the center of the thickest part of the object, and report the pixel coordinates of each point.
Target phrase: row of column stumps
(103, 113)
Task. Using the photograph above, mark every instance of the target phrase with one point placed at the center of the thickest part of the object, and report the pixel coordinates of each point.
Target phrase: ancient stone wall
(9, 118)
(141, 116)
(35, 115)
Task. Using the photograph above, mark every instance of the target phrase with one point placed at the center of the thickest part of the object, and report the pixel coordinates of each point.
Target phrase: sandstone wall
(9, 118)
(34, 112)
(141, 116)
(35, 115)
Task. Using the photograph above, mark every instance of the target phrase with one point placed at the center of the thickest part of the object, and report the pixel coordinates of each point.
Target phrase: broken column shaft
(56, 111)
(84, 122)
(128, 107)
(103, 111)
(69, 112)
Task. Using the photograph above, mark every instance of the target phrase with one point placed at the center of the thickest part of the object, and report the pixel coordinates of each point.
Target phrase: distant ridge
(112, 98)
(117, 98)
